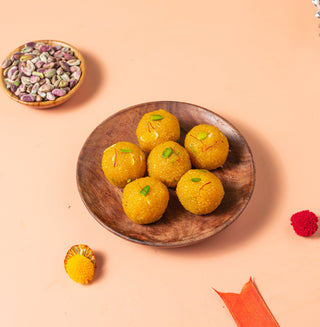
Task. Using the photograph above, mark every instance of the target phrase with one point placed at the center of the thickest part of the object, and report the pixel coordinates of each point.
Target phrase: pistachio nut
(50, 72)
(25, 80)
(50, 96)
(22, 88)
(8, 81)
(36, 52)
(72, 83)
(35, 88)
(59, 92)
(65, 77)
(48, 65)
(57, 47)
(34, 79)
(39, 64)
(45, 88)
(56, 83)
(38, 74)
(26, 57)
(63, 83)
(6, 63)
(27, 98)
(74, 62)
(64, 66)
(74, 69)
(42, 94)
(45, 48)
(15, 75)
(15, 62)
(58, 54)
(16, 56)
(54, 79)
(30, 66)
(59, 71)
(31, 44)
(43, 58)
(11, 71)
(13, 88)
(26, 71)
(76, 75)
(26, 49)
(35, 59)
(5, 71)
(41, 72)
(68, 56)
(17, 93)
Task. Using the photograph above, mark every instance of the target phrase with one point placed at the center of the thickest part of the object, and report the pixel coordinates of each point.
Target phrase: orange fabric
(248, 309)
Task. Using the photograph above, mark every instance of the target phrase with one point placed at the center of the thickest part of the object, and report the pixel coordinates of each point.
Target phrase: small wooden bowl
(177, 227)
(59, 100)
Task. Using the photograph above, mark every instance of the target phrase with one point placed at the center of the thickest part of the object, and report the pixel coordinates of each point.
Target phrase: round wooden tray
(177, 227)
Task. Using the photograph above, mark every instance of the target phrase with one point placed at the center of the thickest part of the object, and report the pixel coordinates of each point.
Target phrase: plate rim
(179, 243)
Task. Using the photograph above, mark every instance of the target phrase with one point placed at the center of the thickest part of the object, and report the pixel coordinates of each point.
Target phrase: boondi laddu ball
(157, 127)
(207, 146)
(167, 162)
(145, 200)
(123, 162)
(200, 191)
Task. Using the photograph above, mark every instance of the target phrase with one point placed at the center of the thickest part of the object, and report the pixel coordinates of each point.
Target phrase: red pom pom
(304, 223)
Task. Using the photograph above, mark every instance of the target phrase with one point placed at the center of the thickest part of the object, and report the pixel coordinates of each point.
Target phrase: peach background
(254, 62)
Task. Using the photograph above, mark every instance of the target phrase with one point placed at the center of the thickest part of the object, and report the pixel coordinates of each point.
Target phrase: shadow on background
(265, 199)
(96, 77)
(101, 262)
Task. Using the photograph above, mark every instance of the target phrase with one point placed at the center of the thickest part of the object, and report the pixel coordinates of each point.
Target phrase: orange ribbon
(248, 308)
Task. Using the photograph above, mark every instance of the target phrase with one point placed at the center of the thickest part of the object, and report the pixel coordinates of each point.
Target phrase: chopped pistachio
(167, 153)
(145, 190)
(156, 117)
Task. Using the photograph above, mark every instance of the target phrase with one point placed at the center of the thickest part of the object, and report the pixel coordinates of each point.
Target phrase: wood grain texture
(177, 227)
(57, 101)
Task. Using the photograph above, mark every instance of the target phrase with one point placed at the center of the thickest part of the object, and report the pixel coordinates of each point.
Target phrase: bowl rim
(49, 103)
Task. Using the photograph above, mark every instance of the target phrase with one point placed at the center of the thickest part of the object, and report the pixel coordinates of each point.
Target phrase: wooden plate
(177, 227)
